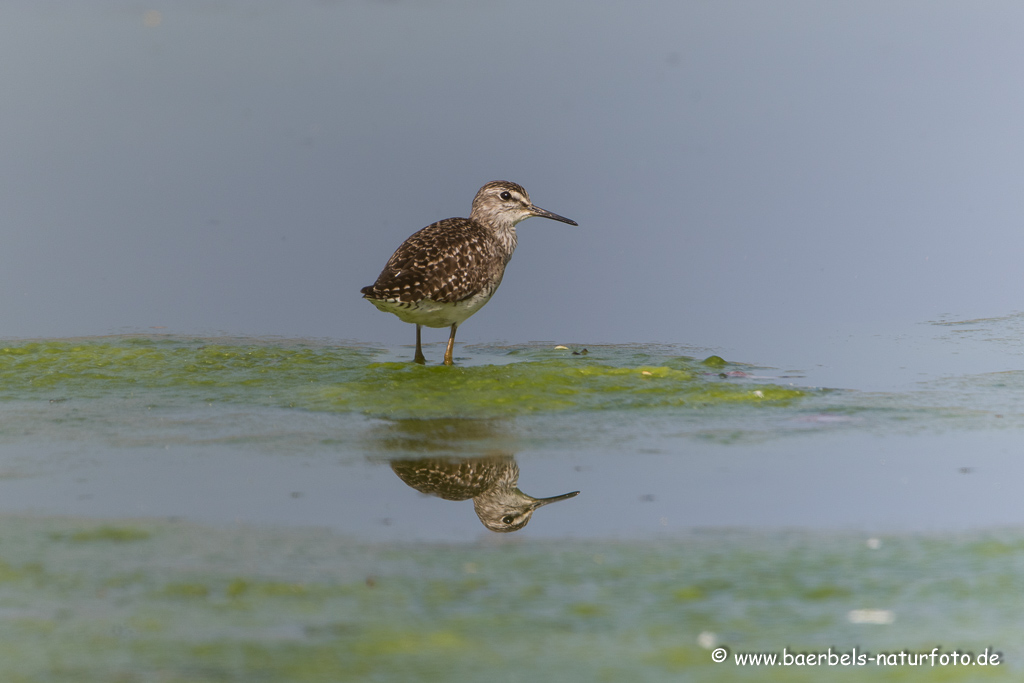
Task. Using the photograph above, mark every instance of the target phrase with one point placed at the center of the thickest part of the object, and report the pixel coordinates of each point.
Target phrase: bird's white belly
(434, 313)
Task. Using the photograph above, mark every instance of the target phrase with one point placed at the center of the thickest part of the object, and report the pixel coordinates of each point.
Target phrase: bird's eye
(506, 195)
(508, 519)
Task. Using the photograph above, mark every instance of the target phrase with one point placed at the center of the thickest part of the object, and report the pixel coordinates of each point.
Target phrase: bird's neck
(507, 239)
(501, 224)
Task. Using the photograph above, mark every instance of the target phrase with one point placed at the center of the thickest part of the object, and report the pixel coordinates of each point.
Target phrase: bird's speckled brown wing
(446, 262)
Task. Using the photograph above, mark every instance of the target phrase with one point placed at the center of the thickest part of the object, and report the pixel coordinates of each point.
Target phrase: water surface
(224, 509)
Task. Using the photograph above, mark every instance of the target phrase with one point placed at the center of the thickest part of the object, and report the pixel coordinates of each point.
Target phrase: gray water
(781, 181)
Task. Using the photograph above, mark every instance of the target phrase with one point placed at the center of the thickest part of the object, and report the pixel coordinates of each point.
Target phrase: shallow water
(246, 523)
(162, 601)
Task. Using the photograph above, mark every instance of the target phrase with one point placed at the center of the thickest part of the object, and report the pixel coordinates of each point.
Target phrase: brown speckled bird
(447, 271)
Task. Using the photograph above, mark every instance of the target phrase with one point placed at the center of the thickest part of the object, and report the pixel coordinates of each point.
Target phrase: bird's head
(504, 204)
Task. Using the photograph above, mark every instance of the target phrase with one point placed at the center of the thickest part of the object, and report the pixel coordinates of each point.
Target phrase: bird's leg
(451, 346)
(419, 349)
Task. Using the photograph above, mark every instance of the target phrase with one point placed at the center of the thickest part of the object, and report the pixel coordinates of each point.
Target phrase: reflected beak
(537, 211)
(539, 502)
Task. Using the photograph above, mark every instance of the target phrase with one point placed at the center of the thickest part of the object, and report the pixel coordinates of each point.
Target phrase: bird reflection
(461, 459)
(492, 483)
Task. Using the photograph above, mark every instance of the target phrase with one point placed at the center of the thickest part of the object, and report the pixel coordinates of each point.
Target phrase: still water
(213, 509)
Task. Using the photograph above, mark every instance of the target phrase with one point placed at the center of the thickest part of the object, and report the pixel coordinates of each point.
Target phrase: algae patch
(109, 534)
(341, 379)
(97, 367)
(534, 386)
(242, 604)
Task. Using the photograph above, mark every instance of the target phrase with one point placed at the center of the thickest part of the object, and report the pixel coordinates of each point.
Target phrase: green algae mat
(173, 602)
(340, 379)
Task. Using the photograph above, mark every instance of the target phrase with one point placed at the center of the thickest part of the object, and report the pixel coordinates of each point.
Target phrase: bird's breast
(436, 313)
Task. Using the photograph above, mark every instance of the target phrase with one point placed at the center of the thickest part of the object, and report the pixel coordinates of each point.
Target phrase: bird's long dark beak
(538, 502)
(537, 211)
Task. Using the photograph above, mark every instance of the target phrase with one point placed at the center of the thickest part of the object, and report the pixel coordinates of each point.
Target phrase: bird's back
(446, 262)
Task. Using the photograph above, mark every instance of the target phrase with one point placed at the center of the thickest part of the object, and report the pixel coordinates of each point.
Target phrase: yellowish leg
(451, 347)
(419, 349)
